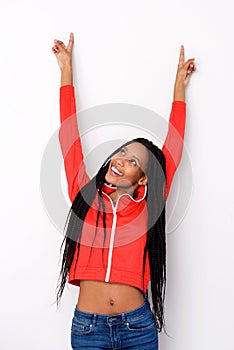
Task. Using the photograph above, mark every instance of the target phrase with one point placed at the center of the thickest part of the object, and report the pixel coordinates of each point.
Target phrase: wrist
(66, 67)
(179, 91)
(66, 75)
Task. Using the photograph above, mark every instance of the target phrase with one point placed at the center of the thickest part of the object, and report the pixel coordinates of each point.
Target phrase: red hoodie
(117, 255)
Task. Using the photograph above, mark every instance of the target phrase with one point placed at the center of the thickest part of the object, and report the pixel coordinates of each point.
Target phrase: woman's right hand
(63, 53)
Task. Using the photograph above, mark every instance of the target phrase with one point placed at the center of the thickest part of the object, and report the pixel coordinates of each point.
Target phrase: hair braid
(156, 239)
(75, 219)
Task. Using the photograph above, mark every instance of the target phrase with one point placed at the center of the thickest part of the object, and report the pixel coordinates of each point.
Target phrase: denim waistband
(114, 318)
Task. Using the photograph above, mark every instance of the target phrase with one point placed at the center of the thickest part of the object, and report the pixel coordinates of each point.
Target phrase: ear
(143, 180)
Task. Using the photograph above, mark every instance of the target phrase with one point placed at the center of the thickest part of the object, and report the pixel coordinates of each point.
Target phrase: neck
(119, 191)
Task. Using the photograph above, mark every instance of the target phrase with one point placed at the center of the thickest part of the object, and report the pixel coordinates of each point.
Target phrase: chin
(110, 181)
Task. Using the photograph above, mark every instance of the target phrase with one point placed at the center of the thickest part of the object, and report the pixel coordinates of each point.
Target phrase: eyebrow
(133, 155)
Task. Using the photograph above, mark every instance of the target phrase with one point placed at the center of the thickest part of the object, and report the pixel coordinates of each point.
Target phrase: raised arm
(69, 137)
(173, 145)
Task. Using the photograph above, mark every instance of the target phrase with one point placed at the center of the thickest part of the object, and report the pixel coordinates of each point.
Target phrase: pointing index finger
(181, 58)
(71, 40)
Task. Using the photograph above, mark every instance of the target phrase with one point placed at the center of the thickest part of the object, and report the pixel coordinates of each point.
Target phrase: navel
(111, 302)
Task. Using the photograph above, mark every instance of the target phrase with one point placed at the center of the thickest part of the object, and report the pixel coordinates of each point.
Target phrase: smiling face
(127, 168)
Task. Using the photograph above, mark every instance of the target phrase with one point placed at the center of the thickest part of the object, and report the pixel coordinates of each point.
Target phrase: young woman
(115, 234)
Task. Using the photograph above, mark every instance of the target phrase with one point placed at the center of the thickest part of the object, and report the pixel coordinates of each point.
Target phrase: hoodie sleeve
(173, 145)
(70, 143)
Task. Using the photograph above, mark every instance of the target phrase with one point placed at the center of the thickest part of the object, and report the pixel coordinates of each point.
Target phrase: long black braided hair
(156, 239)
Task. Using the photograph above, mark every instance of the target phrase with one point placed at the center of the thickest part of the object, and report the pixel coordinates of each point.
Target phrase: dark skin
(127, 171)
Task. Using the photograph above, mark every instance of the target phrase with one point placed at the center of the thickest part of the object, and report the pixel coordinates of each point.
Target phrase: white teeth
(116, 171)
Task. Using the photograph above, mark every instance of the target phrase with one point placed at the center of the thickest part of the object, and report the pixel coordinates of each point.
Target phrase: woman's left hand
(184, 71)
(185, 68)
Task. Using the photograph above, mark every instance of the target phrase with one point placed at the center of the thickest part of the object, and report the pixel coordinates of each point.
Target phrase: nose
(121, 161)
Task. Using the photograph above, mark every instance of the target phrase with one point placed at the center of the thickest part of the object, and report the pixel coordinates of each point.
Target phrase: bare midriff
(108, 298)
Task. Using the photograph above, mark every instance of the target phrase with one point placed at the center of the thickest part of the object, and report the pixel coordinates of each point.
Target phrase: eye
(122, 151)
(133, 161)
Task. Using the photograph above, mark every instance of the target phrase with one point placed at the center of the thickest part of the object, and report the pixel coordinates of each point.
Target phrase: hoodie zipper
(112, 236)
(114, 222)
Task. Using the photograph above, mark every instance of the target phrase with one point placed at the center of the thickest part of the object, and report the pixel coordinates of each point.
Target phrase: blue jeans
(135, 329)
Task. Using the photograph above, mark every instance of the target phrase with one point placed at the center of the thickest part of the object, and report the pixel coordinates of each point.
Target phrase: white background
(125, 51)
